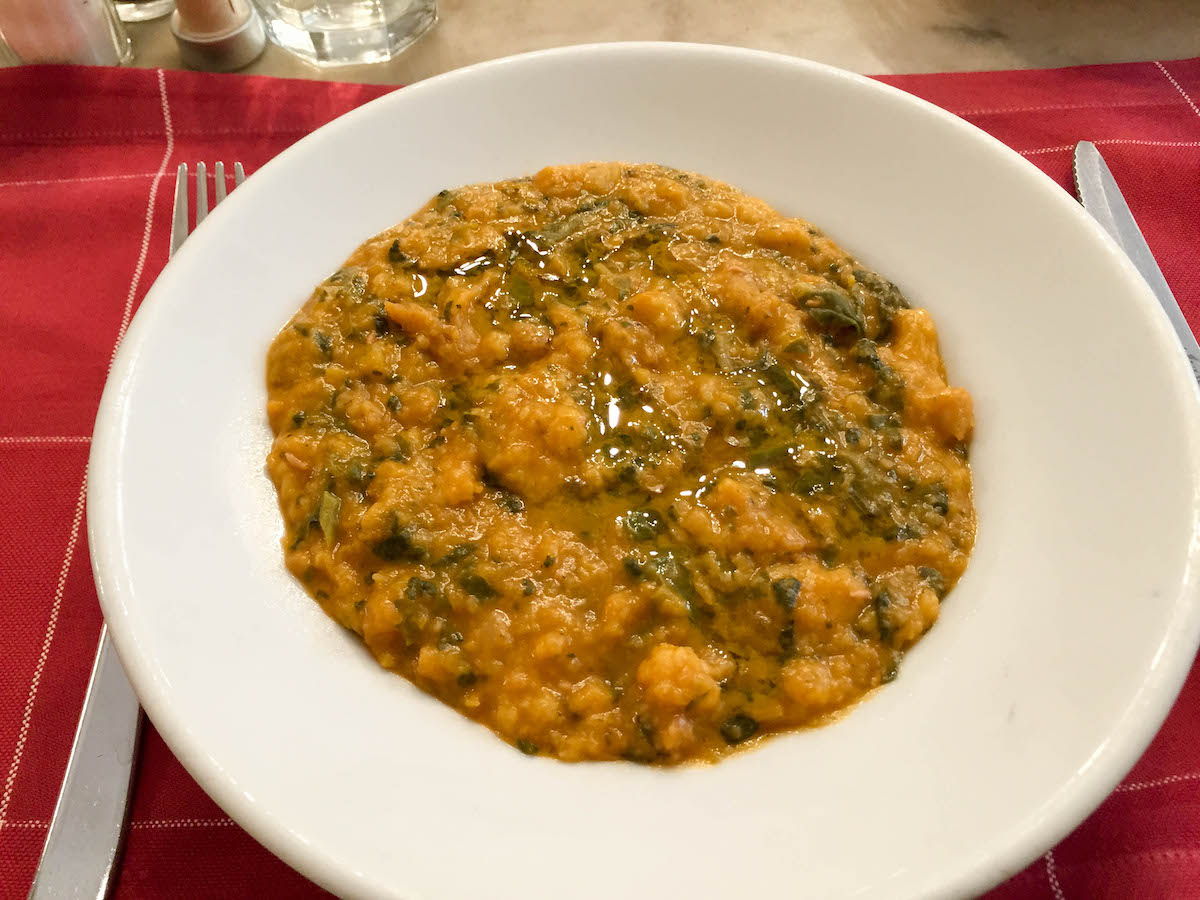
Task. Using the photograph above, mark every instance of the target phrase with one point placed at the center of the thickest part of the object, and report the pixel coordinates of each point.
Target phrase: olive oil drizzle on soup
(621, 463)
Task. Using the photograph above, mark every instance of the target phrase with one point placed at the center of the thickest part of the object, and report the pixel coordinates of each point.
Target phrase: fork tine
(201, 192)
(239, 174)
(179, 222)
(218, 183)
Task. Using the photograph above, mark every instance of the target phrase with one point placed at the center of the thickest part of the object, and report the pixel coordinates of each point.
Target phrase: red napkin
(87, 158)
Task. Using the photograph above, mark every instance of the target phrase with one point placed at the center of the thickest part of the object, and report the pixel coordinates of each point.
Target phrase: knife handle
(80, 856)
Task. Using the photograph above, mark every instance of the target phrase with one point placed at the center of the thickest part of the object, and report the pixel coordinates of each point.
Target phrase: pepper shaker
(217, 35)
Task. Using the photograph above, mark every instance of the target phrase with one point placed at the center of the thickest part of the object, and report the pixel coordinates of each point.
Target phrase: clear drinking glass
(344, 32)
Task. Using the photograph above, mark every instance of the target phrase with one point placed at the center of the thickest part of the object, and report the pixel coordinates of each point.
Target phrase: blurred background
(871, 36)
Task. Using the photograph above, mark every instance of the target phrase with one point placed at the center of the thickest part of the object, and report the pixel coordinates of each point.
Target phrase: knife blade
(1098, 191)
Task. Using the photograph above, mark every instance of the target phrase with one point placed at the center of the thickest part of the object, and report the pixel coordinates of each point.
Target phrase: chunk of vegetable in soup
(620, 462)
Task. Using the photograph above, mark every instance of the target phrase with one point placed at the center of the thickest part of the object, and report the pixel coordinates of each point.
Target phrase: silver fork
(83, 845)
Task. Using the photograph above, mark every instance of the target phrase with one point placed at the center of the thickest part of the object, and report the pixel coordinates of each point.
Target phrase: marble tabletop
(869, 36)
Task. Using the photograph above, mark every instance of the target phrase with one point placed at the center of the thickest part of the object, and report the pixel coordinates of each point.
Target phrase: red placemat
(86, 157)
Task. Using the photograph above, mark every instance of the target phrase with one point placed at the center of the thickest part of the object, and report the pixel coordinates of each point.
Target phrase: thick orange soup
(620, 462)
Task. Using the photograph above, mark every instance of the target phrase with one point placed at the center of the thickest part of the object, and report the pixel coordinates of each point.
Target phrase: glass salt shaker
(65, 31)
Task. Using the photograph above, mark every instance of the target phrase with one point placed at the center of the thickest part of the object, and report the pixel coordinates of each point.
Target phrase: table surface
(869, 36)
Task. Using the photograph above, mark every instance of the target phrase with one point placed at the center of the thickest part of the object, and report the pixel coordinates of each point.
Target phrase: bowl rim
(1010, 851)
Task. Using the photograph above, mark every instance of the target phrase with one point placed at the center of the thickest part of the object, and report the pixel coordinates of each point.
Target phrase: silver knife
(1102, 198)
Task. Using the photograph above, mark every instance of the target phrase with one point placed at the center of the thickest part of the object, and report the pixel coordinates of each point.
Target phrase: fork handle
(79, 859)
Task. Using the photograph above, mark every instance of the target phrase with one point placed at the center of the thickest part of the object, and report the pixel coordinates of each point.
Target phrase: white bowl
(1056, 658)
